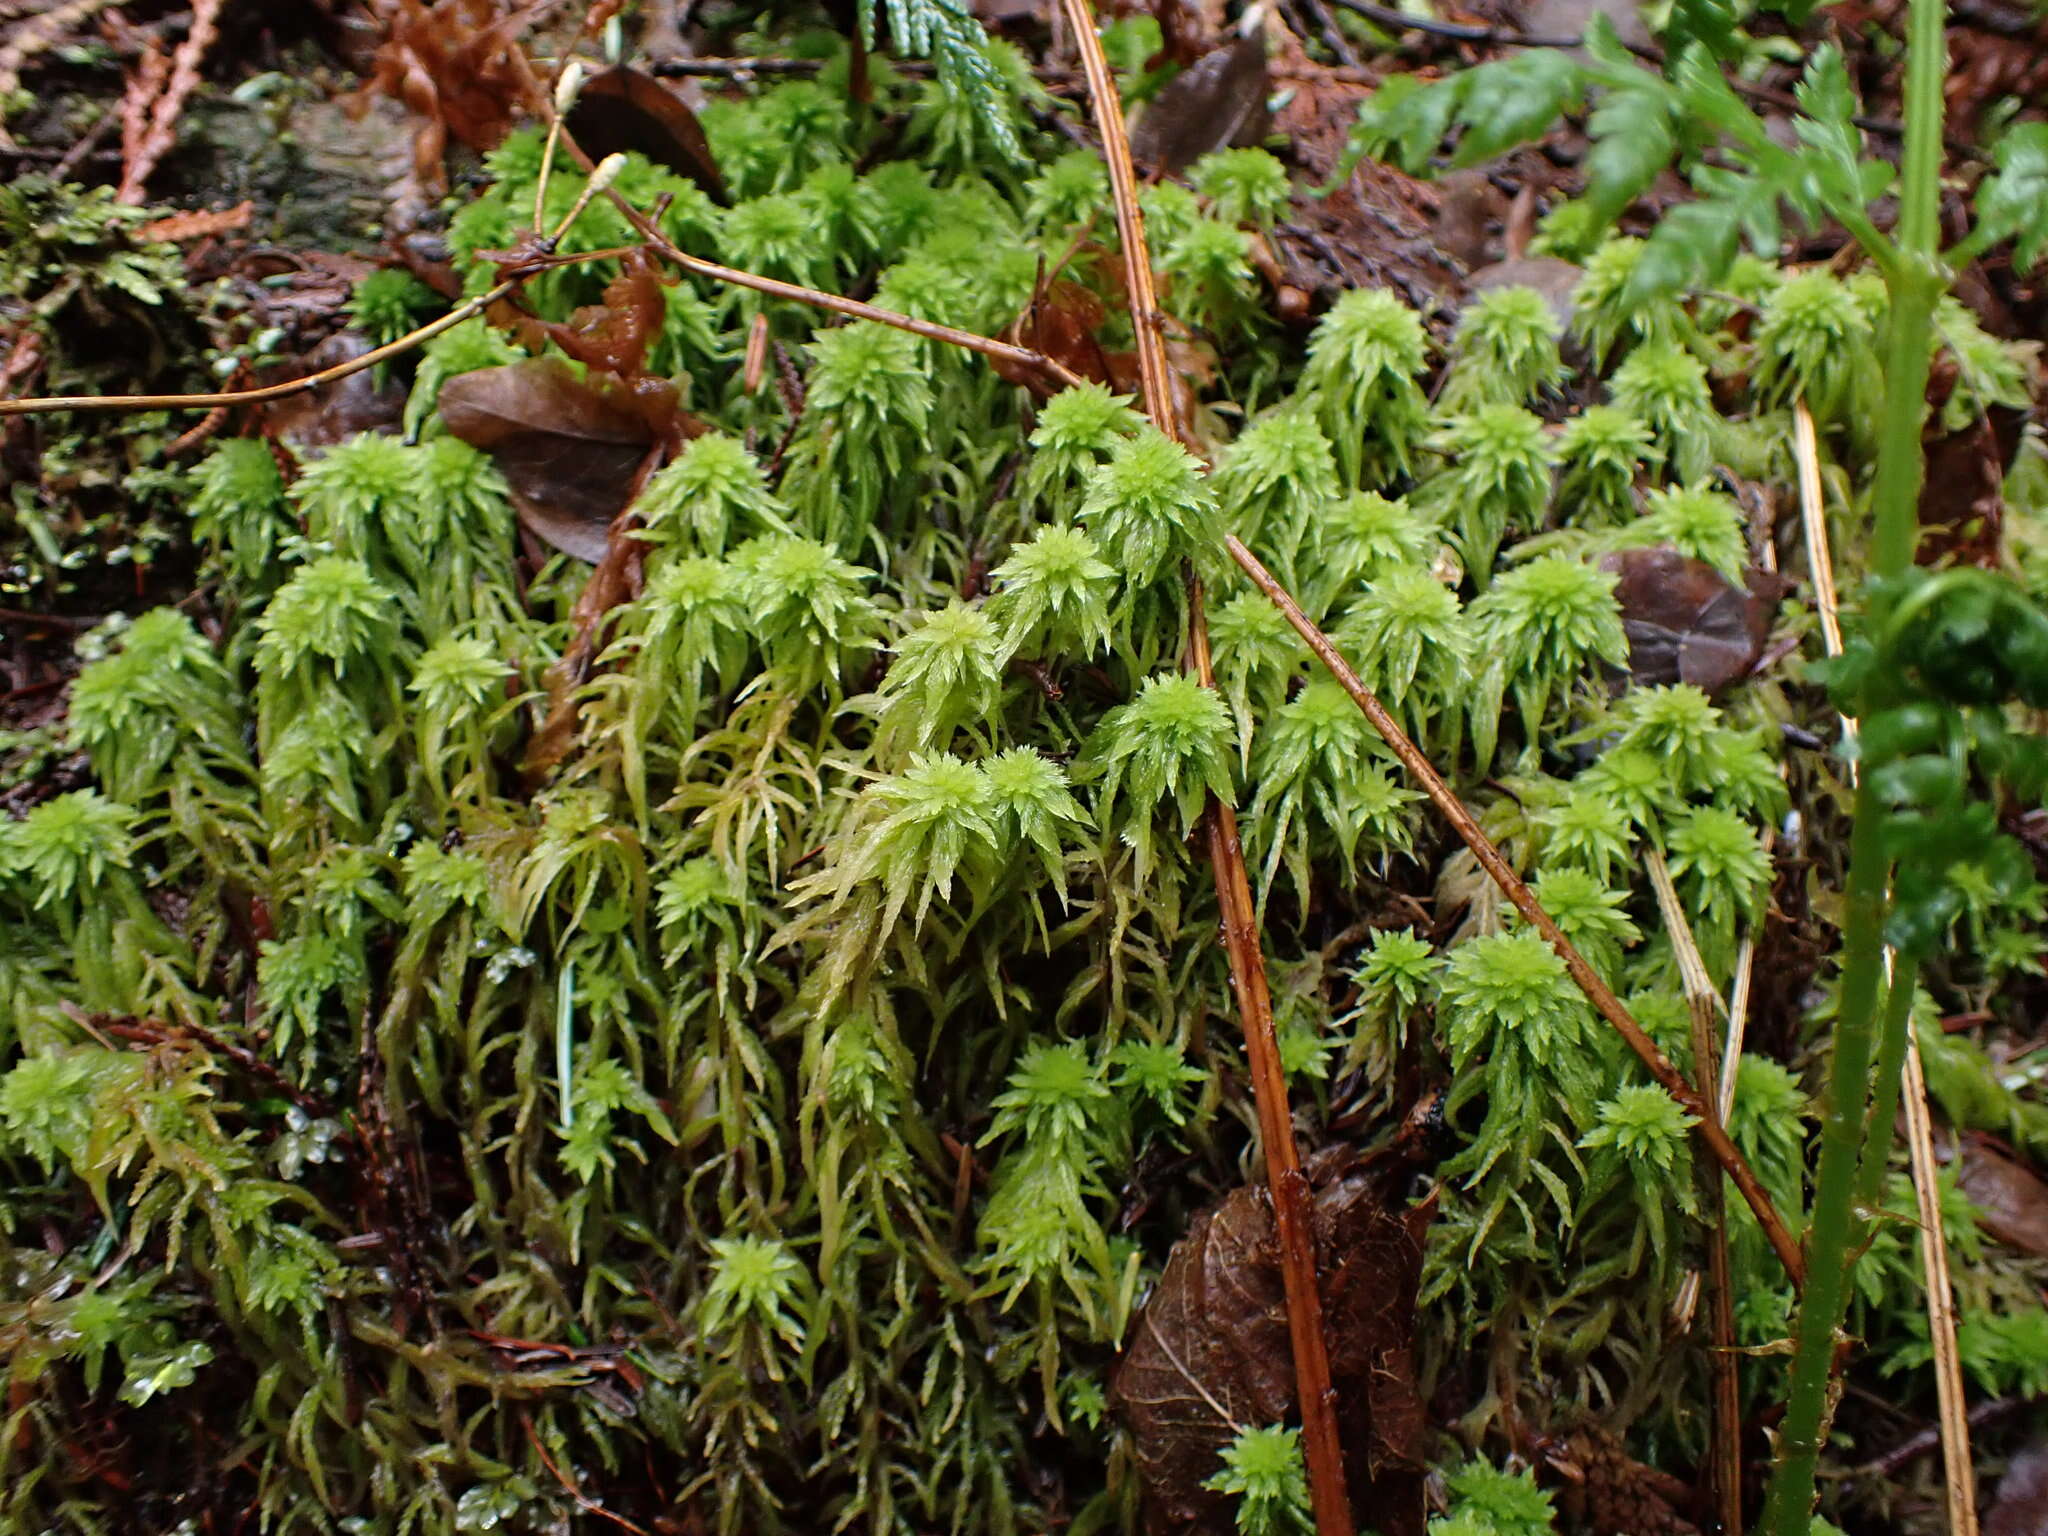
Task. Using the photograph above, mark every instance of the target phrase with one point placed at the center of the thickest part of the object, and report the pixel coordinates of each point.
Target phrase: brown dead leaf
(1686, 622)
(615, 579)
(2011, 1199)
(1962, 500)
(1061, 321)
(613, 337)
(625, 109)
(176, 227)
(2022, 1506)
(1210, 1353)
(1217, 102)
(450, 62)
(571, 449)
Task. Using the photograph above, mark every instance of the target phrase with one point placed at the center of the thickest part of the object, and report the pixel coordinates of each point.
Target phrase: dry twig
(1292, 1206)
(1598, 993)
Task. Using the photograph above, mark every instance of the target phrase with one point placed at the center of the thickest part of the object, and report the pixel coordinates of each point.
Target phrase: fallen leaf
(177, 227)
(570, 448)
(1962, 500)
(1061, 321)
(615, 579)
(451, 63)
(1210, 1351)
(626, 109)
(613, 337)
(2022, 1506)
(1686, 622)
(2011, 1199)
(1217, 102)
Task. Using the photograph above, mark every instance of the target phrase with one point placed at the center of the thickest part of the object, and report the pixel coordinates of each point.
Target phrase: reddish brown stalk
(775, 288)
(583, 1500)
(1701, 1002)
(1292, 1207)
(1130, 219)
(1598, 993)
(230, 397)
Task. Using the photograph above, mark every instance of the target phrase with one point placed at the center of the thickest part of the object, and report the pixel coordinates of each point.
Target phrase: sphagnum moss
(776, 1120)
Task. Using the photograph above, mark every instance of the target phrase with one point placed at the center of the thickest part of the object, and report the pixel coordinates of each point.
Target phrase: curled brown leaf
(570, 448)
(1686, 622)
(1209, 1354)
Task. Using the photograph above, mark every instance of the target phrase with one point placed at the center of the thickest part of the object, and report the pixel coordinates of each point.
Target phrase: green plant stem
(1892, 1046)
(1788, 1503)
(1915, 282)
(1915, 286)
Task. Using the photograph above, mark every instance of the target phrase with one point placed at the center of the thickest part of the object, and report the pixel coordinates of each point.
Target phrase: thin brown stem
(1703, 1002)
(1598, 993)
(583, 1500)
(1293, 1210)
(853, 309)
(1154, 381)
(369, 359)
(472, 307)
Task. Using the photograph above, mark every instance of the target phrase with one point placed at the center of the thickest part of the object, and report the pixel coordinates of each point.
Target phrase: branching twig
(1598, 993)
(583, 1500)
(1919, 1444)
(151, 1032)
(853, 309)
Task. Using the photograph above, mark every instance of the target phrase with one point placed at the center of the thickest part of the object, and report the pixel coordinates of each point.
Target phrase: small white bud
(607, 172)
(567, 86)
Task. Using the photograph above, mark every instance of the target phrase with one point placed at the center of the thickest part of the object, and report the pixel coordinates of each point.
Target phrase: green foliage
(1664, 387)
(1149, 506)
(1498, 1501)
(1170, 744)
(796, 1084)
(1600, 451)
(1537, 629)
(947, 34)
(1507, 1001)
(1263, 1469)
(1363, 362)
(1498, 477)
(1505, 351)
(1243, 186)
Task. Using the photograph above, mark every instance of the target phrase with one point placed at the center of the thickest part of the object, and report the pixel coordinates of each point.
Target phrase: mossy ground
(769, 1112)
